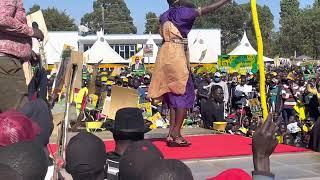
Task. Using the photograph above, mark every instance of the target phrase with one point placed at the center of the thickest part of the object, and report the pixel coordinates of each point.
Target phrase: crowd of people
(24, 136)
(292, 94)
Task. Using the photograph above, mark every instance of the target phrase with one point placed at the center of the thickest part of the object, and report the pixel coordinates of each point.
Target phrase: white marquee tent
(54, 47)
(101, 50)
(245, 48)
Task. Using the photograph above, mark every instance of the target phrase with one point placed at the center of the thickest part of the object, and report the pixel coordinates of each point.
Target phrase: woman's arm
(212, 7)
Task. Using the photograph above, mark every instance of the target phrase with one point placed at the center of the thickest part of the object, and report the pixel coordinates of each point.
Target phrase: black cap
(136, 158)
(39, 112)
(167, 169)
(129, 120)
(85, 153)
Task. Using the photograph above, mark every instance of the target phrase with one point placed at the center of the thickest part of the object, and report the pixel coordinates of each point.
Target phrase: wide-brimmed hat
(129, 120)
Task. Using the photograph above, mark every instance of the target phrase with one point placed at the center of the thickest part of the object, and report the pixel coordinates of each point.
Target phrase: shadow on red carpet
(206, 147)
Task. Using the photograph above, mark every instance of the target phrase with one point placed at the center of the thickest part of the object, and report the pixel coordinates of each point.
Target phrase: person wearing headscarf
(16, 127)
(171, 79)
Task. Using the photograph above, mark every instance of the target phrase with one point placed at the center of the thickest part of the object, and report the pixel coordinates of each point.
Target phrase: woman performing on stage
(171, 79)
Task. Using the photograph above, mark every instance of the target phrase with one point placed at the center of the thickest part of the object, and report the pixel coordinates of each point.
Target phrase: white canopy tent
(54, 47)
(152, 59)
(101, 50)
(245, 48)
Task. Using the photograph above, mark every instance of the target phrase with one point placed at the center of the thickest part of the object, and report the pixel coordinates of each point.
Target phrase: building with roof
(204, 45)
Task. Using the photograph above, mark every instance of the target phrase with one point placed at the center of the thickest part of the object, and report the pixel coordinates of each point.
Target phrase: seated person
(129, 127)
(213, 109)
(86, 157)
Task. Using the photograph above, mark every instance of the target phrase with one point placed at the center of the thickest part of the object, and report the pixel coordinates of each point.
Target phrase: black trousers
(13, 88)
(39, 85)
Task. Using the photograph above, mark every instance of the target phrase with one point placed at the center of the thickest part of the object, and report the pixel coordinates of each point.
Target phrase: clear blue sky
(138, 8)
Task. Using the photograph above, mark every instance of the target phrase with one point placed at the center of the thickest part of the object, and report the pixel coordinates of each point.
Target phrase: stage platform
(292, 166)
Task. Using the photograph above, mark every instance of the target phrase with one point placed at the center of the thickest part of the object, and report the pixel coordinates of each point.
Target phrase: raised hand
(263, 144)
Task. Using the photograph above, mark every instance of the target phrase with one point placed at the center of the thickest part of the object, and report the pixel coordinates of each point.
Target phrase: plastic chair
(219, 127)
(94, 126)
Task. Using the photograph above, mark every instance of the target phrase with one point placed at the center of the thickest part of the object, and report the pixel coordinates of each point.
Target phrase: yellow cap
(109, 83)
(243, 130)
(125, 80)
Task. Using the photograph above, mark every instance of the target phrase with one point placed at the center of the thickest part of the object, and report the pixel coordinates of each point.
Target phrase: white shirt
(246, 89)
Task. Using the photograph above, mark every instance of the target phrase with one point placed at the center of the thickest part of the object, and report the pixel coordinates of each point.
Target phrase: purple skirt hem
(184, 101)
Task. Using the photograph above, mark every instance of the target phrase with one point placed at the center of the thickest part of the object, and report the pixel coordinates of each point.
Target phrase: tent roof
(245, 48)
(54, 47)
(303, 57)
(101, 50)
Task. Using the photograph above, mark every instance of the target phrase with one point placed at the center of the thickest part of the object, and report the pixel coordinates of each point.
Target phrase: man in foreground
(15, 49)
(128, 128)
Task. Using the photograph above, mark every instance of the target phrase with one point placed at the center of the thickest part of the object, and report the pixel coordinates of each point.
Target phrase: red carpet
(209, 146)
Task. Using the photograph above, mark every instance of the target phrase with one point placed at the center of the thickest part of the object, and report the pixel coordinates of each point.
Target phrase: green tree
(290, 33)
(266, 25)
(230, 19)
(117, 18)
(55, 20)
(58, 21)
(33, 9)
(310, 38)
(152, 23)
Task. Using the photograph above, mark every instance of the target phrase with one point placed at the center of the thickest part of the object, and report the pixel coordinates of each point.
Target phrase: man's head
(136, 83)
(86, 157)
(27, 159)
(138, 156)
(217, 93)
(292, 119)
(137, 60)
(125, 82)
(167, 169)
(243, 80)
(217, 77)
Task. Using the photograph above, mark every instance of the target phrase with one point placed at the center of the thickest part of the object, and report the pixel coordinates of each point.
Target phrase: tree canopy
(55, 20)
(152, 23)
(117, 18)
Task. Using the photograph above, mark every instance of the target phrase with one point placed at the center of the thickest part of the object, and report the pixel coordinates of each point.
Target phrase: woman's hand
(212, 7)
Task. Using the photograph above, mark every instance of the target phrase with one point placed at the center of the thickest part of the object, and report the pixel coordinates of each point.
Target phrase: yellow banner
(241, 64)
